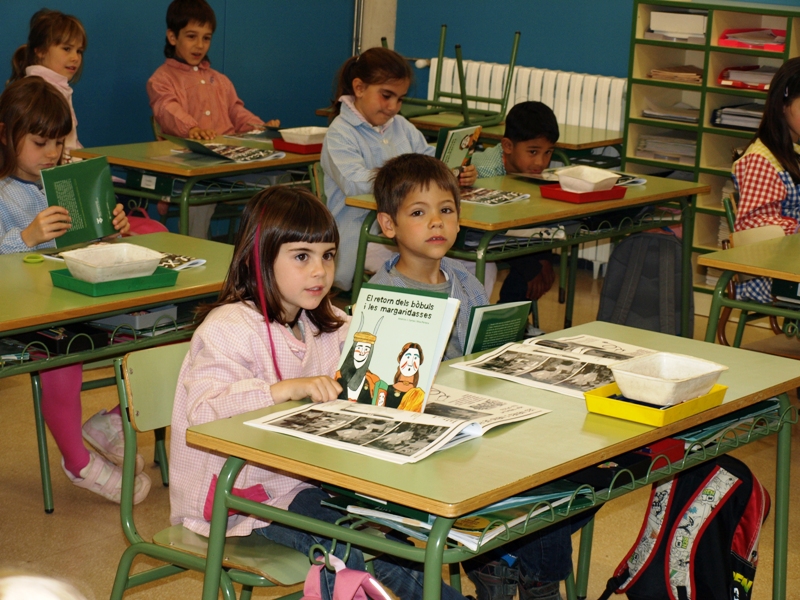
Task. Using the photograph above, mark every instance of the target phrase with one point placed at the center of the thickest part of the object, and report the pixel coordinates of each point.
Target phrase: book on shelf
(744, 116)
(666, 36)
(675, 148)
(455, 147)
(396, 340)
(488, 197)
(225, 152)
(493, 325)
(481, 526)
(756, 77)
(569, 366)
(451, 417)
(680, 111)
(680, 73)
(85, 189)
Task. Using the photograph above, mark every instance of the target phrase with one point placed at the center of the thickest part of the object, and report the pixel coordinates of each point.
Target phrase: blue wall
(281, 56)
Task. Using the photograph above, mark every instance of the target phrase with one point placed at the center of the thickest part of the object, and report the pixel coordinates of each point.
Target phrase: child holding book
(54, 52)
(34, 122)
(189, 98)
(272, 336)
(767, 176)
(366, 132)
(418, 206)
(526, 147)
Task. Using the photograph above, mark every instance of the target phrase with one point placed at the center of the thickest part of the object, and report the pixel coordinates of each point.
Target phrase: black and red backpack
(699, 540)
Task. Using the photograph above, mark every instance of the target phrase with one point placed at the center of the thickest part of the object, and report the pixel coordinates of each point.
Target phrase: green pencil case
(160, 278)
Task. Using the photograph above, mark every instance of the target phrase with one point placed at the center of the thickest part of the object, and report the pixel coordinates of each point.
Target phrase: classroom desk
(36, 304)
(778, 258)
(537, 211)
(440, 484)
(142, 159)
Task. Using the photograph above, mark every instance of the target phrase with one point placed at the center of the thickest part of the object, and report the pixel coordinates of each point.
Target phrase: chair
(459, 102)
(146, 383)
(316, 178)
(744, 238)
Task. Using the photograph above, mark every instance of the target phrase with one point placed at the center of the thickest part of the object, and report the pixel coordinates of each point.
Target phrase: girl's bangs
(49, 122)
(311, 223)
(72, 32)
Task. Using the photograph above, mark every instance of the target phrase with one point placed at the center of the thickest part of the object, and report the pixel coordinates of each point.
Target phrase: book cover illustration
(85, 189)
(394, 347)
(455, 147)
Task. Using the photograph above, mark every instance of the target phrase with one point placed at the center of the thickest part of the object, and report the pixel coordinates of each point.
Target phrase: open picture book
(455, 147)
(85, 189)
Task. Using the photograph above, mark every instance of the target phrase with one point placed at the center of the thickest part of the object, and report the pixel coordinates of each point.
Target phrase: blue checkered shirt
(490, 162)
(20, 202)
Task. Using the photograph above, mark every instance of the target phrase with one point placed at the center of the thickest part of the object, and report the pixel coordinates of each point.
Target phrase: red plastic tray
(554, 192)
(724, 79)
(279, 144)
(724, 41)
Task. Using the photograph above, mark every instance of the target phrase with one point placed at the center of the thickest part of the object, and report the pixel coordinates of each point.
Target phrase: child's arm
(761, 194)
(167, 108)
(49, 224)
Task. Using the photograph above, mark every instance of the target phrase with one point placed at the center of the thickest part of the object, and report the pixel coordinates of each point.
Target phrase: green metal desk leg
(183, 204)
(782, 482)
(455, 577)
(716, 306)
(41, 440)
(562, 274)
(361, 254)
(687, 283)
(219, 523)
(584, 559)
(432, 586)
(573, 274)
(480, 257)
(570, 584)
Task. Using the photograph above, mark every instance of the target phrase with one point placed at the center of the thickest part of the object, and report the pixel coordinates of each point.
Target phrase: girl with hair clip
(366, 132)
(34, 121)
(272, 336)
(54, 52)
(768, 175)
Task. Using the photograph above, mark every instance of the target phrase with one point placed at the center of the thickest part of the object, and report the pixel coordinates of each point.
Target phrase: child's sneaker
(104, 432)
(536, 590)
(104, 478)
(495, 581)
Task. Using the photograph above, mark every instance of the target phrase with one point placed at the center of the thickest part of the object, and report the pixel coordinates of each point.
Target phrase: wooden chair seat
(778, 345)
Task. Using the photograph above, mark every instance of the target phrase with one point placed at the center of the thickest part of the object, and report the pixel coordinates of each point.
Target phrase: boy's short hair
(182, 12)
(530, 120)
(403, 174)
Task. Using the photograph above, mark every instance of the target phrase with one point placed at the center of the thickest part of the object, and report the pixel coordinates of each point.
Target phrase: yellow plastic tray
(598, 401)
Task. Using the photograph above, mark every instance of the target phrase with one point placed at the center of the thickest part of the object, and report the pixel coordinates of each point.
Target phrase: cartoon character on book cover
(357, 381)
(404, 393)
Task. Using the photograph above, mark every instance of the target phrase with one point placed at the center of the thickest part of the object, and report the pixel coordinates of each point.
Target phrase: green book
(85, 189)
(396, 340)
(493, 325)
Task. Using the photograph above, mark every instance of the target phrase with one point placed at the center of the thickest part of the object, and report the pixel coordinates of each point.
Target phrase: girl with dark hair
(768, 175)
(272, 336)
(367, 131)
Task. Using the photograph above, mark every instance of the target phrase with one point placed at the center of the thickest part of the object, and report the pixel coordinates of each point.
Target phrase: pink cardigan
(228, 371)
(183, 97)
(61, 83)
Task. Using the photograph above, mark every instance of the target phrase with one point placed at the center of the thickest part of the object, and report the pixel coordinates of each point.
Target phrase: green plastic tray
(161, 278)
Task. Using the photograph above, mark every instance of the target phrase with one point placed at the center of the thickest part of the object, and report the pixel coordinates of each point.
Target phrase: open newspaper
(400, 436)
(570, 366)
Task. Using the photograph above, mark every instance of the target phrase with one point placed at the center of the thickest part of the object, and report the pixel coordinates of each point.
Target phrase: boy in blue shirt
(526, 147)
(418, 206)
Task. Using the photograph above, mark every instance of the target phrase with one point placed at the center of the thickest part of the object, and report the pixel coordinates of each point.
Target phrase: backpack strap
(666, 275)
(630, 282)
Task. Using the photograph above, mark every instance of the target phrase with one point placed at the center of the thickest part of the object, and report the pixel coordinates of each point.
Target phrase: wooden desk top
(35, 302)
(143, 155)
(511, 458)
(572, 137)
(537, 210)
(770, 258)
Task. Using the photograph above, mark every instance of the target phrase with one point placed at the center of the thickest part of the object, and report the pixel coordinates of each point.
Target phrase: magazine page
(396, 341)
(489, 197)
(569, 366)
(398, 436)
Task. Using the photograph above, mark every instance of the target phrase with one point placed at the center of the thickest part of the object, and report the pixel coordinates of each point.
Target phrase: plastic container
(599, 401)
(666, 379)
(285, 146)
(304, 135)
(110, 262)
(586, 179)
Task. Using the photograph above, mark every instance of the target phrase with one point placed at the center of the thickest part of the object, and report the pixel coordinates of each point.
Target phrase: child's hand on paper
(468, 176)
(195, 133)
(120, 221)
(49, 224)
(320, 389)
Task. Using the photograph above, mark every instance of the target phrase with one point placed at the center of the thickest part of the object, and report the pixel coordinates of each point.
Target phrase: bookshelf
(712, 162)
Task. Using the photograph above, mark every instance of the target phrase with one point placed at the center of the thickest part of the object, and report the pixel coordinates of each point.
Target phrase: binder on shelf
(751, 77)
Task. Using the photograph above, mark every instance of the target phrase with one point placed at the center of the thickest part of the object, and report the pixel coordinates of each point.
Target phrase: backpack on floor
(350, 584)
(642, 286)
(699, 540)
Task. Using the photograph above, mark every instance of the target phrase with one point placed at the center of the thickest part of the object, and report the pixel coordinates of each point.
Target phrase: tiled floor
(82, 540)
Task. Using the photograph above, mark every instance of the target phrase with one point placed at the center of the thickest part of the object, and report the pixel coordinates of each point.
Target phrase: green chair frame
(146, 382)
(459, 102)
